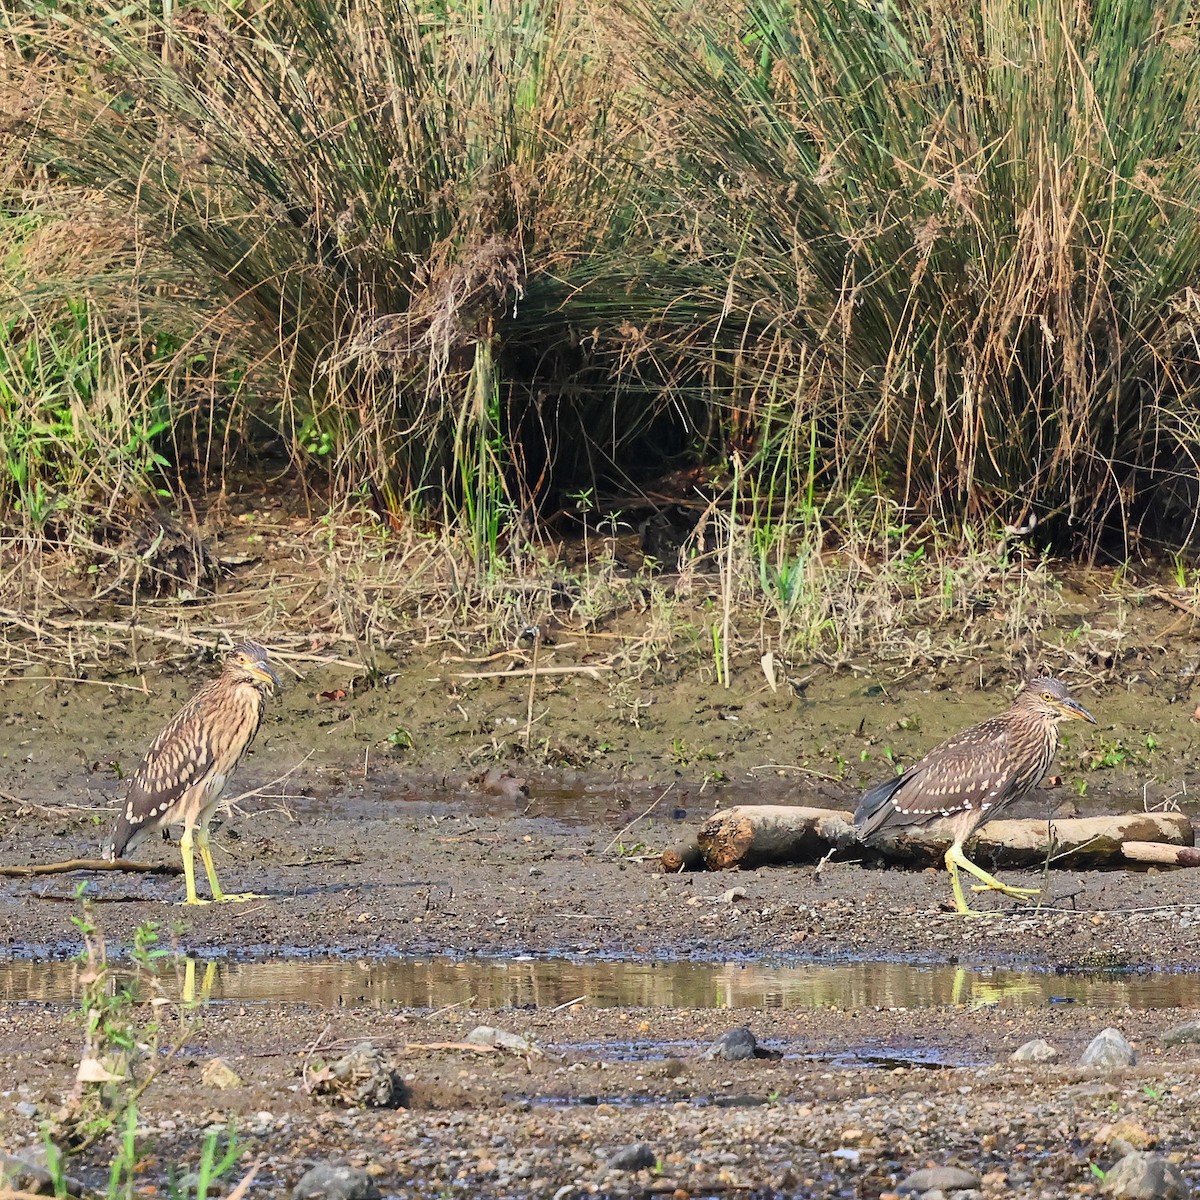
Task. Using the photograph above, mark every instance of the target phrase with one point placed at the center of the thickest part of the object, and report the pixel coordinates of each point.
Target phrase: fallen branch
(91, 864)
(1165, 855)
(753, 835)
(683, 856)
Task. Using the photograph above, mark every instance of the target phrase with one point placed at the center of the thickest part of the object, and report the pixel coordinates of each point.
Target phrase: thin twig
(533, 673)
(244, 1185)
(622, 832)
(591, 669)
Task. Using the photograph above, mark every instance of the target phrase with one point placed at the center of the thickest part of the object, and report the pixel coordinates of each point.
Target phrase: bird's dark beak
(1075, 711)
(266, 673)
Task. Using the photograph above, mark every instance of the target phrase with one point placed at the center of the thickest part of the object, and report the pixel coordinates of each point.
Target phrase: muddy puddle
(438, 982)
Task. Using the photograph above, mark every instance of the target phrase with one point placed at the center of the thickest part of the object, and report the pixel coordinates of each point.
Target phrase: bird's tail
(875, 808)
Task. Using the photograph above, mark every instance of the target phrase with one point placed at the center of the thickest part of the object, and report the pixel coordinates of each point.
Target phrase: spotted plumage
(181, 779)
(973, 776)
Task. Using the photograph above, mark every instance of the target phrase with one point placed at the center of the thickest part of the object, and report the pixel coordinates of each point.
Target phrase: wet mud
(428, 867)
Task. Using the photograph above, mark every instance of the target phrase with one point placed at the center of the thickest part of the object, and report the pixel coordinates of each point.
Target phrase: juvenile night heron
(973, 776)
(181, 779)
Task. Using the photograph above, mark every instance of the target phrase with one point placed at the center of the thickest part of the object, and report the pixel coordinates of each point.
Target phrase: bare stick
(591, 669)
(533, 670)
(622, 832)
(92, 864)
(244, 1186)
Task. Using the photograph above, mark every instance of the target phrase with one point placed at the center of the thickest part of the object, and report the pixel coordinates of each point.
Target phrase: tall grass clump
(946, 250)
(387, 201)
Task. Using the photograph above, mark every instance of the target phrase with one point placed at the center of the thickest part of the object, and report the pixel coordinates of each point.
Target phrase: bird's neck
(1053, 737)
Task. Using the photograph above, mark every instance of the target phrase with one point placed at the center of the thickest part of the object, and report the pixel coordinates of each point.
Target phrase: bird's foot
(193, 900)
(240, 897)
(1021, 893)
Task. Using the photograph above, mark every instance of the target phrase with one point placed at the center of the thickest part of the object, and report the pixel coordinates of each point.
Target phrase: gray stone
(335, 1181)
(1144, 1176)
(488, 1035)
(1037, 1051)
(24, 1173)
(363, 1078)
(1181, 1035)
(1108, 1049)
(638, 1156)
(937, 1179)
(737, 1045)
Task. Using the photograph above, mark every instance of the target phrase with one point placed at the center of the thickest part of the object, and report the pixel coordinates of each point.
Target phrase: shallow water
(550, 982)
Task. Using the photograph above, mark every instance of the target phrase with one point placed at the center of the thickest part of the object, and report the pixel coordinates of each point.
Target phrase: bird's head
(248, 662)
(1052, 700)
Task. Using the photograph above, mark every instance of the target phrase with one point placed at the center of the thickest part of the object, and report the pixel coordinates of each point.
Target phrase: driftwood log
(752, 835)
(1162, 854)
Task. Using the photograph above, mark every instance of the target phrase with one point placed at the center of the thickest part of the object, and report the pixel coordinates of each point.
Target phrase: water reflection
(547, 982)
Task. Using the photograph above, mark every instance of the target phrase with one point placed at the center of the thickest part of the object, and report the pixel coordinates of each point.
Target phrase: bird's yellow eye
(1048, 696)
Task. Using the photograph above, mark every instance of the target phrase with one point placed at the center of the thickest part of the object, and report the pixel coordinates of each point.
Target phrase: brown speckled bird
(181, 779)
(972, 777)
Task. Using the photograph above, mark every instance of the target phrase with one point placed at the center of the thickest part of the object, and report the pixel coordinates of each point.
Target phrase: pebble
(336, 1181)
(737, 1045)
(488, 1035)
(1037, 1051)
(218, 1074)
(25, 1109)
(937, 1179)
(1181, 1035)
(1124, 1136)
(1142, 1176)
(637, 1156)
(1108, 1049)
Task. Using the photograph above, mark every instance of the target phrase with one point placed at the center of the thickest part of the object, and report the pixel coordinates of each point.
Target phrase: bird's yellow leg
(989, 883)
(210, 869)
(189, 867)
(953, 857)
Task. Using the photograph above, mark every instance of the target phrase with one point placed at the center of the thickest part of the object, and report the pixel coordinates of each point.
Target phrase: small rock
(25, 1109)
(736, 1045)
(734, 894)
(637, 1156)
(1142, 1176)
(362, 1078)
(20, 1174)
(488, 1035)
(218, 1074)
(1108, 1049)
(1125, 1133)
(336, 1181)
(935, 1179)
(1037, 1051)
(1181, 1035)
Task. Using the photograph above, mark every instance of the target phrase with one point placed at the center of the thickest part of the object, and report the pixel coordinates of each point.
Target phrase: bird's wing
(179, 758)
(966, 771)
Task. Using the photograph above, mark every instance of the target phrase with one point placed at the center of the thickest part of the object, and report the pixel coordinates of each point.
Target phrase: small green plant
(1098, 1172)
(119, 1012)
(214, 1165)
